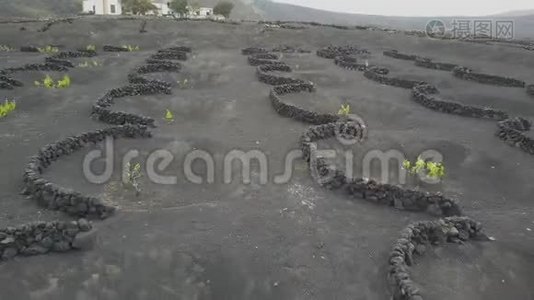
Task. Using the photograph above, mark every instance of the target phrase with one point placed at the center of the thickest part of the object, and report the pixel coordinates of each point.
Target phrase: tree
(179, 6)
(223, 8)
(138, 7)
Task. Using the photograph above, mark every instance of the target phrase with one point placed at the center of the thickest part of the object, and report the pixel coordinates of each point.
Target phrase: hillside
(524, 22)
(272, 11)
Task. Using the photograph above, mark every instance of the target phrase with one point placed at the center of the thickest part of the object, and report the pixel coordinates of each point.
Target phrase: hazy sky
(417, 7)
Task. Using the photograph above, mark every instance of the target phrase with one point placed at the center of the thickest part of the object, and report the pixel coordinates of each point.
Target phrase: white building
(162, 7)
(102, 7)
(200, 12)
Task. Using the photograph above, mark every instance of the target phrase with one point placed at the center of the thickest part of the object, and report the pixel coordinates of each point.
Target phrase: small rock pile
(415, 239)
(332, 52)
(468, 74)
(41, 237)
(424, 95)
(512, 131)
(55, 197)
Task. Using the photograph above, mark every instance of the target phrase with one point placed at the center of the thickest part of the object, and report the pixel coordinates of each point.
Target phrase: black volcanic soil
(272, 241)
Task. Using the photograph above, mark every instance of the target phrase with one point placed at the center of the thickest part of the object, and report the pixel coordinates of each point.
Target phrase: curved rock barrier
(74, 54)
(415, 239)
(424, 95)
(62, 62)
(330, 125)
(139, 86)
(8, 83)
(396, 54)
(56, 63)
(54, 197)
(393, 81)
(332, 52)
(457, 70)
(154, 66)
(177, 54)
(42, 237)
(29, 49)
(49, 24)
(422, 92)
(512, 131)
(289, 49)
(109, 48)
(468, 74)
(417, 236)
(429, 64)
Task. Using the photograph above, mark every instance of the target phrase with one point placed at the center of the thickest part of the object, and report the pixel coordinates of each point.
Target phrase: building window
(112, 8)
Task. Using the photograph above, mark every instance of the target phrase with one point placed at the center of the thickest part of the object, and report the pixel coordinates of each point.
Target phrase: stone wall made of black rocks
(289, 49)
(405, 199)
(49, 24)
(55, 197)
(332, 52)
(274, 67)
(56, 61)
(468, 74)
(253, 50)
(276, 80)
(392, 81)
(253, 61)
(42, 237)
(170, 54)
(8, 83)
(74, 54)
(154, 66)
(40, 67)
(429, 64)
(424, 95)
(110, 48)
(512, 131)
(351, 63)
(397, 55)
(29, 49)
(415, 239)
(139, 86)
(385, 194)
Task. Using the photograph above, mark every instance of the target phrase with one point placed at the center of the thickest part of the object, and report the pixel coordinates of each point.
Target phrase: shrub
(169, 116)
(63, 83)
(431, 169)
(344, 110)
(7, 107)
(48, 49)
(49, 83)
(179, 6)
(90, 48)
(89, 64)
(5, 48)
(183, 83)
(223, 8)
(133, 173)
(131, 48)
